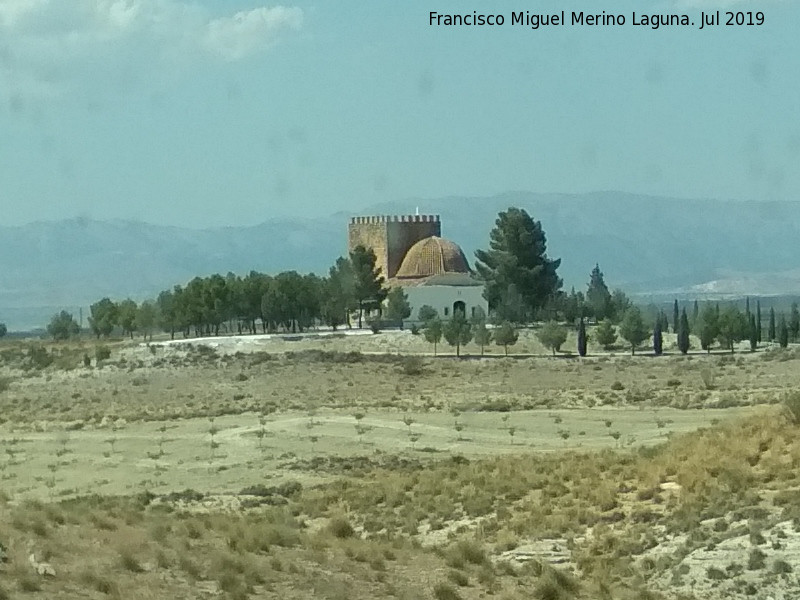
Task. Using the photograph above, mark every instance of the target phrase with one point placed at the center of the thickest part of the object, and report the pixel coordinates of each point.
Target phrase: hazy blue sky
(213, 113)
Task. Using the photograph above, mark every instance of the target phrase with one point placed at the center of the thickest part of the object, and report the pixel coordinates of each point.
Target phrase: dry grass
(394, 521)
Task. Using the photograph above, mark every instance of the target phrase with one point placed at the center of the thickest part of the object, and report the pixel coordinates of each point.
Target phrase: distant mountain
(643, 243)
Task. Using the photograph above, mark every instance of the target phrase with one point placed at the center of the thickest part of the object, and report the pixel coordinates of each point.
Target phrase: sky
(204, 113)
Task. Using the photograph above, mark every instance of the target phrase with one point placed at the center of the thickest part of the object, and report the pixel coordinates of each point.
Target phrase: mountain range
(644, 244)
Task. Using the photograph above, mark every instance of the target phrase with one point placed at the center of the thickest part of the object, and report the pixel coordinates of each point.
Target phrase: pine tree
(771, 334)
(582, 338)
(658, 342)
(707, 327)
(683, 333)
(517, 255)
(783, 332)
(758, 321)
(675, 317)
(664, 321)
(598, 297)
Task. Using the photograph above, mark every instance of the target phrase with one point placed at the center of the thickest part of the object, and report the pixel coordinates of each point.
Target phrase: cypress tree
(783, 332)
(683, 333)
(771, 336)
(675, 317)
(753, 333)
(758, 321)
(747, 308)
(794, 322)
(657, 339)
(582, 338)
(695, 312)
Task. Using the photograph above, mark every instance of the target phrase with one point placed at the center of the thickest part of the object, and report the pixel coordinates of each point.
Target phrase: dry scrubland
(296, 469)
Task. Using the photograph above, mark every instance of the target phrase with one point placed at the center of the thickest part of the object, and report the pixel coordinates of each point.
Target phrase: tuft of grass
(129, 562)
(445, 591)
(555, 585)
(341, 528)
(791, 404)
(99, 583)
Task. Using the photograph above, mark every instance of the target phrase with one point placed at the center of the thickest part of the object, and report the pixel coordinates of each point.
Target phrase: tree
(732, 327)
(582, 338)
(426, 313)
(3, 330)
(481, 334)
(620, 303)
(664, 321)
(598, 297)
(505, 335)
(339, 294)
(458, 332)
(127, 316)
(512, 307)
(63, 326)
(169, 319)
(771, 335)
(675, 317)
(753, 334)
(433, 332)
(397, 307)
(695, 312)
(683, 333)
(552, 335)
(606, 334)
(517, 255)
(574, 306)
(794, 322)
(758, 320)
(146, 318)
(783, 332)
(707, 328)
(658, 342)
(632, 329)
(368, 289)
(103, 317)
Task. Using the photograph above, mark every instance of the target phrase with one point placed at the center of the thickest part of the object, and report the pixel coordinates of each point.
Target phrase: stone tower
(390, 237)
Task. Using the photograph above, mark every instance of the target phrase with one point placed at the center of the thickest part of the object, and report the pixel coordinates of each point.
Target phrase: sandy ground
(167, 456)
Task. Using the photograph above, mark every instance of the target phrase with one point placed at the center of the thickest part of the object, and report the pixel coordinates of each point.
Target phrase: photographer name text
(535, 21)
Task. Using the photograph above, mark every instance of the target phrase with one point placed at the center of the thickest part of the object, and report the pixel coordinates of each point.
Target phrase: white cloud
(45, 43)
(248, 31)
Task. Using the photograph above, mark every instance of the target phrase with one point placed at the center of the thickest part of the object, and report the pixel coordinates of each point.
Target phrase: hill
(643, 243)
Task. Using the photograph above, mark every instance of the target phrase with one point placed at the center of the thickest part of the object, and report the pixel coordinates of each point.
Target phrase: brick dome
(433, 256)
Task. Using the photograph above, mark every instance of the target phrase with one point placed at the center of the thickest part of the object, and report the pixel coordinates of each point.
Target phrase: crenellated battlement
(390, 236)
(395, 219)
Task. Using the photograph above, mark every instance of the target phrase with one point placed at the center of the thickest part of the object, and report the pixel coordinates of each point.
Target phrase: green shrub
(102, 353)
(341, 528)
(445, 591)
(412, 365)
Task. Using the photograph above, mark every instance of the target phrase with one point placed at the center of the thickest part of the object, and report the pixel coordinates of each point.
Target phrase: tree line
(288, 301)
(521, 286)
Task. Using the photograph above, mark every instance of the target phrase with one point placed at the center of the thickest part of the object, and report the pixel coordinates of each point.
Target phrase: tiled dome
(433, 256)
